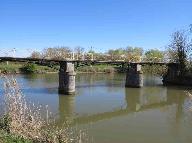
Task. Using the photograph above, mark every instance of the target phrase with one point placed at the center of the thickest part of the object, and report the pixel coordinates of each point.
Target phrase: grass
(14, 67)
(97, 68)
(24, 123)
(10, 67)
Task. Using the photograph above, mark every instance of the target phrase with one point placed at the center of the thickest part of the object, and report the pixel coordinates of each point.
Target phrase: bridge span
(17, 59)
(134, 76)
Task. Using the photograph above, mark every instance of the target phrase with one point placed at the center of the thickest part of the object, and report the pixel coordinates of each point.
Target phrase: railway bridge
(134, 76)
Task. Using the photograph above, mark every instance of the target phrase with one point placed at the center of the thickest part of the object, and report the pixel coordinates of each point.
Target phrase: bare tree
(57, 53)
(36, 54)
(79, 52)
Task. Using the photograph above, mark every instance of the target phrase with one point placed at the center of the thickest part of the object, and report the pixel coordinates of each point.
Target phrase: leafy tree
(180, 49)
(134, 54)
(117, 54)
(154, 55)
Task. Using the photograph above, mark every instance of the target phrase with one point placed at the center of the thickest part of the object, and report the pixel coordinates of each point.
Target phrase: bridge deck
(2, 59)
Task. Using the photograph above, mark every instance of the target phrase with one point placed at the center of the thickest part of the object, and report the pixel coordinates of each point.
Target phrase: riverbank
(23, 68)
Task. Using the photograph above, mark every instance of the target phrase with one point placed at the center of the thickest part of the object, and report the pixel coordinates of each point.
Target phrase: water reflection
(136, 100)
(66, 107)
(117, 114)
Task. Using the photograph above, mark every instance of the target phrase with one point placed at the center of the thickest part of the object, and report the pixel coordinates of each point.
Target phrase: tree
(154, 55)
(57, 53)
(117, 54)
(180, 49)
(79, 52)
(36, 54)
(134, 53)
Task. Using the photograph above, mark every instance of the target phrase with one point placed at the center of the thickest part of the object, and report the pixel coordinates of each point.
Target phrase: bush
(29, 68)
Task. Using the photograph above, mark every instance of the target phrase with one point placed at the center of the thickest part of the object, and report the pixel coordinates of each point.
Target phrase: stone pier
(134, 77)
(66, 78)
(172, 75)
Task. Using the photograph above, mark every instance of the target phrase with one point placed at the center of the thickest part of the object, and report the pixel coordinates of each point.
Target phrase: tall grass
(25, 121)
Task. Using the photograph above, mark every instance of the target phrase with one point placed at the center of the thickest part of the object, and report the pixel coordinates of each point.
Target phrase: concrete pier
(134, 77)
(66, 78)
(172, 75)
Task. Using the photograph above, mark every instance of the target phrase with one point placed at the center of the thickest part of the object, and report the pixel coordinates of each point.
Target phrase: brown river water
(111, 113)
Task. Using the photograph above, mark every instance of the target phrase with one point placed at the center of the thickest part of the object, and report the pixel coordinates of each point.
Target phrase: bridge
(134, 76)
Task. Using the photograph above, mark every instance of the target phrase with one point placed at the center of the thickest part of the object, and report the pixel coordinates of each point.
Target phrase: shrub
(29, 68)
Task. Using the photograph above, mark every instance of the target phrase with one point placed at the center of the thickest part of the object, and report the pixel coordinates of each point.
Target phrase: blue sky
(29, 25)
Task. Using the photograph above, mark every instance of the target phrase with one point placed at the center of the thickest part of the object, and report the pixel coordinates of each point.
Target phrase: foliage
(12, 138)
(10, 67)
(59, 53)
(29, 68)
(180, 49)
(134, 54)
(154, 55)
(96, 69)
(116, 54)
(14, 67)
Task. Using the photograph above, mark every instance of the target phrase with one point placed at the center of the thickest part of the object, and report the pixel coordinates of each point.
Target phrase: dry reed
(27, 122)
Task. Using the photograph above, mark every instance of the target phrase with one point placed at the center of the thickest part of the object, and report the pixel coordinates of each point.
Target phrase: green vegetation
(154, 55)
(96, 68)
(10, 67)
(14, 67)
(29, 68)
(129, 54)
(180, 50)
(11, 138)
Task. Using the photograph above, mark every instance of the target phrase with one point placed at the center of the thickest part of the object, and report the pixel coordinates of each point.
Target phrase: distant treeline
(131, 54)
(175, 52)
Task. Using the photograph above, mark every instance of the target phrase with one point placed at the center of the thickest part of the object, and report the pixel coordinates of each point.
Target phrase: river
(111, 113)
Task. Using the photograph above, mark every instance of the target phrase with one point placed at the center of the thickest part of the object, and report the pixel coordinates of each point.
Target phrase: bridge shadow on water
(135, 100)
(99, 85)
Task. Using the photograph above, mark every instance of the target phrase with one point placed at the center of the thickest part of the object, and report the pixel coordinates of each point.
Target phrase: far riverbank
(25, 68)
